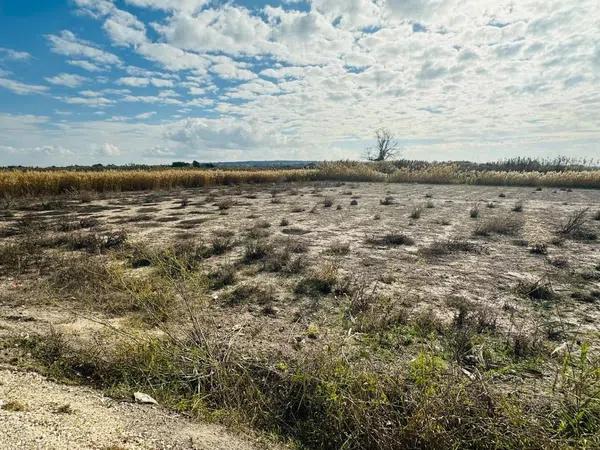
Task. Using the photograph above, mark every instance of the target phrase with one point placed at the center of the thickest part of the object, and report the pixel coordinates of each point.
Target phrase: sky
(155, 81)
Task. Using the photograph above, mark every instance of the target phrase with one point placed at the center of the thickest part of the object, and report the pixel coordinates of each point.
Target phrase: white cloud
(229, 70)
(170, 5)
(124, 28)
(91, 101)
(85, 65)
(110, 150)
(143, 82)
(66, 43)
(67, 79)
(323, 74)
(145, 115)
(223, 134)
(14, 55)
(22, 88)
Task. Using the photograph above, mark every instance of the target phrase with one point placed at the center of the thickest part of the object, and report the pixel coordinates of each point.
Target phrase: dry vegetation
(86, 183)
(430, 327)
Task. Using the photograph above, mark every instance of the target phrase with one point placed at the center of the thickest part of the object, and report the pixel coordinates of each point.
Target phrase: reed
(17, 183)
(32, 182)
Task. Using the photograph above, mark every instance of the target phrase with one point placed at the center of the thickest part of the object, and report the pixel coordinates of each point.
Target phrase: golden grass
(452, 174)
(37, 182)
(32, 182)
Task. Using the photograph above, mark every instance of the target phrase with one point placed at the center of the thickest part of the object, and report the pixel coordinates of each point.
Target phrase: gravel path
(55, 416)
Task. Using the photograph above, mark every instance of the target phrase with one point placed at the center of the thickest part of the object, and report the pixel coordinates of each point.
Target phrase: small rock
(560, 349)
(140, 397)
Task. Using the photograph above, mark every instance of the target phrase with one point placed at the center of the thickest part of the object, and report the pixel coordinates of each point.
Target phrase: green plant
(577, 381)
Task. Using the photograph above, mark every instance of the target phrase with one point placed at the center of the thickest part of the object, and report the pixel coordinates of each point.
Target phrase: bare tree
(387, 146)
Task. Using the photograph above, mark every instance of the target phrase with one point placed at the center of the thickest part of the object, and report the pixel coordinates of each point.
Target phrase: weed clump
(538, 290)
(250, 293)
(391, 240)
(256, 250)
(575, 227)
(441, 248)
(504, 225)
(416, 212)
(320, 281)
(518, 207)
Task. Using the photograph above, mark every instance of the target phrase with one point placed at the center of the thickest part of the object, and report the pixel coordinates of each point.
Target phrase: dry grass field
(319, 314)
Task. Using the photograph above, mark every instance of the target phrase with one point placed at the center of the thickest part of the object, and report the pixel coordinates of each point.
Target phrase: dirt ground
(340, 234)
(55, 416)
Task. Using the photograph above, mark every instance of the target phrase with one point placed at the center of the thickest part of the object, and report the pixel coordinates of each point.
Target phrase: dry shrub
(224, 275)
(518, 207)
(250, 293)
(539, 248)
(391, 240)
(416, 212)
(441, 248)
(575, 226)
(320, 281)
(338, 248)
(537, 290)
(256, 250)
(221, 243)
(95, 242)
(504, 224)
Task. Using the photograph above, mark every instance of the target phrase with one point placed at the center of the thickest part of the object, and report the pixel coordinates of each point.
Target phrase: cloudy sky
(85, 81)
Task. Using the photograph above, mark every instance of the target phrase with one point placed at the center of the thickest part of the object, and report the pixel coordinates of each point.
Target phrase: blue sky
(121, 81)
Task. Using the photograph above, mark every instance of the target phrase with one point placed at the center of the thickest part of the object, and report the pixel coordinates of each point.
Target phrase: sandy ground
(413, 281)
(93, 421)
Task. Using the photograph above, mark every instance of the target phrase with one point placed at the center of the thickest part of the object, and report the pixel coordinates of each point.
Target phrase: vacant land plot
(326, 315)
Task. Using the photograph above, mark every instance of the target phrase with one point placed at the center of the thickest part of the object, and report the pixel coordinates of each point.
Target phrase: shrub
(353, 202)
(327, 202)
(222, 243)
(225, 204)
(441, 248)
(518, 206)
(256, 249)
(505, 225)
(96, 242)
(387, 201)
(474, 211)
(222, 276)
(338, 248)
(416, 212)
(575, 226)
(538, 290)
(320, 281)
(391, 239)
(539, 248)
(250, 293)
